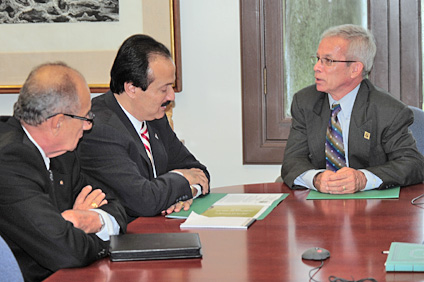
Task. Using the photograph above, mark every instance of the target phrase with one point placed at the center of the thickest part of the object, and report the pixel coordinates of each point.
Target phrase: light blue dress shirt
(346, 103)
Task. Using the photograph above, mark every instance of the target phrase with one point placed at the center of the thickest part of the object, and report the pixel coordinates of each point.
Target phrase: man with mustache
(150, 170)
(348, 135)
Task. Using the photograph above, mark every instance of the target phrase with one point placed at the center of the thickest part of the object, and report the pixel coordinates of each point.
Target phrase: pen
(385, 252)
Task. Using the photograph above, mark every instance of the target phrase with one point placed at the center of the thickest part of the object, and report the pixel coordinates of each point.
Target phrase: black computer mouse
(316, 253)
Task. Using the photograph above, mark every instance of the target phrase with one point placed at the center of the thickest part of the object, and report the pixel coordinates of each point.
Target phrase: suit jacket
(112, 154)
(31, 205)
(389, 152)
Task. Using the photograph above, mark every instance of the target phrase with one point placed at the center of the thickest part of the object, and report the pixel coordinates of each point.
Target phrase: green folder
(392, 193)
(200, 205)
(405, 257)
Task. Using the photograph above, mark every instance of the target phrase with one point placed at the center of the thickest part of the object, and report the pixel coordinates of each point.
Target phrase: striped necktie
(145, 138)
(334, 149)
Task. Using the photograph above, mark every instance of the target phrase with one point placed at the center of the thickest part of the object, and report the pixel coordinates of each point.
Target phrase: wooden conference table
(354, 231)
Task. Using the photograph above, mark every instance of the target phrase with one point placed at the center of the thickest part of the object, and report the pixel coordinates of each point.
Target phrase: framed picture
(88, 46)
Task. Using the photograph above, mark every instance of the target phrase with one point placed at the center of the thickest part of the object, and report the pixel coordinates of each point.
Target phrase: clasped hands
(193, 176)
(345, 181)
(80, 214)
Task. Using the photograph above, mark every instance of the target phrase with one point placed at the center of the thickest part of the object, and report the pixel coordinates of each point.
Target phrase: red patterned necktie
(145, 138)
(334, 149)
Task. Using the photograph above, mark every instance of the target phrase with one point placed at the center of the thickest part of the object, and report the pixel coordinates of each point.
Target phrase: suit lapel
(47, 174)
(113, 104)
(158, 150)
(61, 183)
(360, 128)
(319, 121)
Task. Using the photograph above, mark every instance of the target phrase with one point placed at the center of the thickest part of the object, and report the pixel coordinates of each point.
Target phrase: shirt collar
(135, 122)
(43, 154)
(346, 103)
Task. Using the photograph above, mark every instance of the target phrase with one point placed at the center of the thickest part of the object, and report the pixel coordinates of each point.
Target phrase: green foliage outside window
(305, 20)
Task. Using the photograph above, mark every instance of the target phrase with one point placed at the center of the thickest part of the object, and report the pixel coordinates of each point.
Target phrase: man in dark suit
(162, 178)
(49, 216)
(366, 144)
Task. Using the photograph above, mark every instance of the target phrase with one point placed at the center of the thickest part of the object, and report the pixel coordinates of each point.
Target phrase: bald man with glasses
(49, 214)
(348, 135)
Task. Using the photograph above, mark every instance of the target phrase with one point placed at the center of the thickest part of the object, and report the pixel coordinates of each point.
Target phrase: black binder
(154, 246)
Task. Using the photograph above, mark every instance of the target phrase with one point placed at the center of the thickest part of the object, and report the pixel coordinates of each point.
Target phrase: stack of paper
(200, 221)
(234, 211)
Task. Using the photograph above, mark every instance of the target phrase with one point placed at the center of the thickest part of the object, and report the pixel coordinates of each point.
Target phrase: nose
(318, 65)
(171, 94)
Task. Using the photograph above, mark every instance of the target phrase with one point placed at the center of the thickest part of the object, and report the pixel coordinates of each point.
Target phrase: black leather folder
(154, 246)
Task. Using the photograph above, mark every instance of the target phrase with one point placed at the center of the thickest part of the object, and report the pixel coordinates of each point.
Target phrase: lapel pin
(61, 182)
(367, 135)
(156, 136)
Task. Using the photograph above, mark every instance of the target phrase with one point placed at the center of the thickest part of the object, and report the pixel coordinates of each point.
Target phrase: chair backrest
(417, 128)
(9, 268)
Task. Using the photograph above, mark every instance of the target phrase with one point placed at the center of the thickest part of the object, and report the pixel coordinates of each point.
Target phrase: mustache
(166, 104)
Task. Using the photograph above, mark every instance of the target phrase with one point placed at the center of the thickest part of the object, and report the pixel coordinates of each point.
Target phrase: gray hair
(362, 46)
(38, 100)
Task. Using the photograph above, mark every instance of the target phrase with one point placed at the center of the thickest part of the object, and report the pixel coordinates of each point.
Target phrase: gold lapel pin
(367, 135)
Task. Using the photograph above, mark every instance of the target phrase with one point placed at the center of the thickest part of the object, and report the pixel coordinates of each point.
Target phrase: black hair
(132, 62)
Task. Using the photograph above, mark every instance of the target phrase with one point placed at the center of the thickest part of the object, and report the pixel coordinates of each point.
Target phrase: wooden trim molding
(257, 148)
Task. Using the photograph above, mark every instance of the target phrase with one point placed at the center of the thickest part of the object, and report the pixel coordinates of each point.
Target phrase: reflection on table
(354, 231)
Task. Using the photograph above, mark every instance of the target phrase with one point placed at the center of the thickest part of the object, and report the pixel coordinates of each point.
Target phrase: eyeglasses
(89, 118)
(328, 62)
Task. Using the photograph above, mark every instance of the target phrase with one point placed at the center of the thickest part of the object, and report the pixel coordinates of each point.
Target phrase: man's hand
(81, 216)
(89, 199)
(87, 221)
(178, 207)
(346, 180)
(196, 176)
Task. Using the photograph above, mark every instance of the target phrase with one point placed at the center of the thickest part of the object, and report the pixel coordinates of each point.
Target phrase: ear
(55, 123)
(130, 89)
(356, 69)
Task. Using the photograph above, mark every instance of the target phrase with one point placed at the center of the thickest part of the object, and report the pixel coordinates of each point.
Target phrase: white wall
(208, 111)
(6, 103)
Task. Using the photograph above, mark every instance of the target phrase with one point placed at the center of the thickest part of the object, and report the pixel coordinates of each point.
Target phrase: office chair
(9, 268)
(417, 128)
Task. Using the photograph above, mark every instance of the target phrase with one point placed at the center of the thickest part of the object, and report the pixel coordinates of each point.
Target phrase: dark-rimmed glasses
(89, 118)
(328, 62)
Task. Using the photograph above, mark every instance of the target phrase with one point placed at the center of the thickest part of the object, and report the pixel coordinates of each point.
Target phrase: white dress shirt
(137, 126)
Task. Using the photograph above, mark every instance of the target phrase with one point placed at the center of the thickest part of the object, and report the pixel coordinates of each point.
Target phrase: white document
(249, 199)
(199, 221)
(264, 200)
(236, 211)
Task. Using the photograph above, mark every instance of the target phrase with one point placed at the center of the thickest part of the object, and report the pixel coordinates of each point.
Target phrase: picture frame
(89, 62)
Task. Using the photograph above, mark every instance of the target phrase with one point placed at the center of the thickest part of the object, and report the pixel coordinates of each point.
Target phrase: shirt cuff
(111, 225)
(197, 186)
(306, 179)
(373, 181)
(199, 190)
(177, 172)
